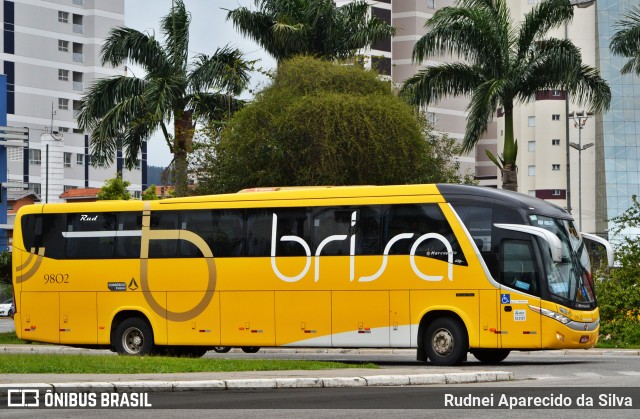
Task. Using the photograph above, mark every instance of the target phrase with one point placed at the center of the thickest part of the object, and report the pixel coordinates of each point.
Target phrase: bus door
(519, 290)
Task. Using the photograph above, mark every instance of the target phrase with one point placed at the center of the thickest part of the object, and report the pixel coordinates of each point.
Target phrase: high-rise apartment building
(50, 56)
(557, 139)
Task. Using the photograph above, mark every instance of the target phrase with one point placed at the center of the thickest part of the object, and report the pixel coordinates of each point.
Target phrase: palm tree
(503, 64)
(285, 28)
(626, 41)
(131, 109)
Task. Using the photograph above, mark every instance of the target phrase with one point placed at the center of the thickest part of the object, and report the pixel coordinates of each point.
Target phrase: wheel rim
(442, 342)
(133, 340)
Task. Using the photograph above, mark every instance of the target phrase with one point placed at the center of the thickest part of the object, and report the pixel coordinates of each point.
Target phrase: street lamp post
(581, 4)
(579, 121)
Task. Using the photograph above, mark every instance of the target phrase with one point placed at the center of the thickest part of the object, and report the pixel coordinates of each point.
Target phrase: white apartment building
(587, 164)
(51, 55)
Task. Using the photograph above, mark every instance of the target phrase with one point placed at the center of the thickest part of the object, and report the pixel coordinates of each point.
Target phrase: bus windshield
(569, 280)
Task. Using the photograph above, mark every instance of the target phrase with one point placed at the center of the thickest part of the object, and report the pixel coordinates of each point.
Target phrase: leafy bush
(619, 293)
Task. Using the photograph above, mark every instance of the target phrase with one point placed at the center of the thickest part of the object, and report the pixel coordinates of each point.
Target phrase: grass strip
(106, 364)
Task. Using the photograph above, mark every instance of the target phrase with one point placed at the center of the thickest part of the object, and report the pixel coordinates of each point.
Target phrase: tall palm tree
(503, 64)
(626, 41)
(285, 28)
(130, 109)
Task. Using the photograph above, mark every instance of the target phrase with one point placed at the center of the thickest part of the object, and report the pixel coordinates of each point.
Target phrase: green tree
(285, 28)
(131, 109)
(321, 123)
(626, 41)
(619, 293)
(504, 64)
(5, 268)
(115, 189)
(150, 194)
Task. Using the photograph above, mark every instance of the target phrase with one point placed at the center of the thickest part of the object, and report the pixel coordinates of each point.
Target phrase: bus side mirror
(597, 242)
(555, 245)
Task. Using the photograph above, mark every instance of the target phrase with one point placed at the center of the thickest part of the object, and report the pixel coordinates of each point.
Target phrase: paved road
(6, 325)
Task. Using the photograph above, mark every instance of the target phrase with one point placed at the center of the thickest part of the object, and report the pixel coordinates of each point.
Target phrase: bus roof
(441, 192)
(503, 197)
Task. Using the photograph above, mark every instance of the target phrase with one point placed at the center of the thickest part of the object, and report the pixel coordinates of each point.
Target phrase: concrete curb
(254, 383)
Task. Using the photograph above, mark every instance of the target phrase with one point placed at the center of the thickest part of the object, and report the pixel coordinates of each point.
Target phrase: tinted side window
(421, 219)
(128, 239)
(329, 222)
(52, 227)
(290, 222)
(519, 266)
(85, 238)
(221, 229)
(479, 222)
(164, 220)
(31, 227)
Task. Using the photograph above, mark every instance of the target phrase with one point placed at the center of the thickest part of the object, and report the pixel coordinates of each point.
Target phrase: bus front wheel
(133, 337)
(445, 342)
(250, 349)
(490, 356)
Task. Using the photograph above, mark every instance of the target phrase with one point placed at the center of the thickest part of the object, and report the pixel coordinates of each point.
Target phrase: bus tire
(446, 342)
(133, 337)
(221, 349)
(250, 349)
(490, 356)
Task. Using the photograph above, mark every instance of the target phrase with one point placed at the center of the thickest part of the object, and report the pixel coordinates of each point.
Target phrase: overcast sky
(209, 30)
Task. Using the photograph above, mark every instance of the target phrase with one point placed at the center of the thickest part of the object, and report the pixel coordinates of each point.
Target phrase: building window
(80, 159)
(77, 107)
(532, 170)
(137, 194)
(69, 187)
(63, 17)
(532, 146)
(555, 117)
(431, 4)
(78, 2)
(67, 159)
(78, 53)
(555, 167)
(34, 156)
(63, 104)
(14, 153)
(555, 141)
(63, 45)
(136, 166)
(555, 93)
(77, 81)
(35, 187)
(431, 117)
(532, 121)
(63, 129)
(556, 192)
(78, 26)
(63, 75)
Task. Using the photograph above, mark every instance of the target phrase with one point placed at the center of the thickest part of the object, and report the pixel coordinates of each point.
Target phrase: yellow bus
(445, 269)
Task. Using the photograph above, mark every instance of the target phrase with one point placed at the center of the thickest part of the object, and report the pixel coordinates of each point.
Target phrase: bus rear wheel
(446, 342)
(133, 337)
(490, 356)
(221, 349)
(250, 349)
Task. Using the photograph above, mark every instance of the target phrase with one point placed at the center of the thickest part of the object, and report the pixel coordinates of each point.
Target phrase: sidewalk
(348, 377)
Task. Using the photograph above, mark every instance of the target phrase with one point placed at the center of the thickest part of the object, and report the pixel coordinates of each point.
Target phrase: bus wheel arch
(442, 338)
(131, 334)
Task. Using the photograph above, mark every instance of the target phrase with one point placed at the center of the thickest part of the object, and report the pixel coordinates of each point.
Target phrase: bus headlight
(552, 314)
